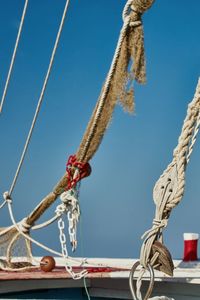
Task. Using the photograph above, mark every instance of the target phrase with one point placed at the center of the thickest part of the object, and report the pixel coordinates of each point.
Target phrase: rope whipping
(13, 55)
(169, 189)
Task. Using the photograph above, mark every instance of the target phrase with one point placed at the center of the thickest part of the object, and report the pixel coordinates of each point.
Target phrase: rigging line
(14, 55)
(40, 98)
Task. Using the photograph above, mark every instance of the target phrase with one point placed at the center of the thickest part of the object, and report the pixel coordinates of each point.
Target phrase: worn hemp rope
(130, 47)
(169, 189)
(104, 108)
(13, 55)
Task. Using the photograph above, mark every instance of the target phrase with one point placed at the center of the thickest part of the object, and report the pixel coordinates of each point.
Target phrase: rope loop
(130, 15)
(127, 10)
(24, 226)
(7, 197)
(138, 7)
(82, 170)
(136, 291)
(157, 225)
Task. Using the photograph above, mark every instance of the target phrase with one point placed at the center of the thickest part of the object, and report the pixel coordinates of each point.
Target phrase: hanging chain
(68, 267)
(73, 216)
(70, 205)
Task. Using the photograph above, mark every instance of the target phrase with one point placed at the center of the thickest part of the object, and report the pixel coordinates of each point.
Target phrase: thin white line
(40, 98)
(13, 56)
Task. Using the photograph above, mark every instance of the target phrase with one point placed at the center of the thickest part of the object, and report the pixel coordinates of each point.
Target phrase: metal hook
(151, 283)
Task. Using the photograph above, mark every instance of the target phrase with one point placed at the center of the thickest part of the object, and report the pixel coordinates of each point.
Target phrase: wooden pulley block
(164, 262)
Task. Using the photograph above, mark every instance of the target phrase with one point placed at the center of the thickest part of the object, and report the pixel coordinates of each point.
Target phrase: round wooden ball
(47, 263)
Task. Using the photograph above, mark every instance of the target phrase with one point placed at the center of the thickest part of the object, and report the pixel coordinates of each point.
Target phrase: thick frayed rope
(119, 81)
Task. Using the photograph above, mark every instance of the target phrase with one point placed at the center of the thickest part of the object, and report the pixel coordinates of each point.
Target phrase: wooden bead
(47, 263)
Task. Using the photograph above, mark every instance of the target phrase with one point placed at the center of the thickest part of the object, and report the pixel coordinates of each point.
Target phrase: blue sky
(116, 200)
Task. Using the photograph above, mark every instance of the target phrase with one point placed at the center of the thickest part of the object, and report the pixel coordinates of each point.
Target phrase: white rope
(67, 259)
(81, 262)
(40, 98)
(3, 204)
(46, 223)
(139, 284)
(13, 56)
(22, 229)
(169, 189)
(196, 131)
(33, 240)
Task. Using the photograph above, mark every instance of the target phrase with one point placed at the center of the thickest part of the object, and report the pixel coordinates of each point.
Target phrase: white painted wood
(185, 285)
(12, 286)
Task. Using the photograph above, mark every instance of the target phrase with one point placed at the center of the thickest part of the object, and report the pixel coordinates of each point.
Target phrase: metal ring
(151, 283)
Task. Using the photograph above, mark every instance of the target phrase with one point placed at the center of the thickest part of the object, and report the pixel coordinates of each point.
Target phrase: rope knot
(157, 225)
(24, 226)
(131, 15)
(7, 197)
(140, 6)
(69, 202)
(69, 197)
(160, 223)
(82, 170)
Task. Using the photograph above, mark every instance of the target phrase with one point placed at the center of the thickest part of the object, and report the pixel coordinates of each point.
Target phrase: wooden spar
(47, 201)
(113, 89)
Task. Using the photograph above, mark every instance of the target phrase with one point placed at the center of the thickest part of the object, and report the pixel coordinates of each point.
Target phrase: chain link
(68, 267)
(70, 205)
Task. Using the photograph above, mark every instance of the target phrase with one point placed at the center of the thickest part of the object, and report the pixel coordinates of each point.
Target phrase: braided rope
(13, 56)
(40, 98)
(169, 189)
(196, 130)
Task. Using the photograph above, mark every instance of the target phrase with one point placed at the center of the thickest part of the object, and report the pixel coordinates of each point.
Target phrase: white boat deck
(107, 278)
